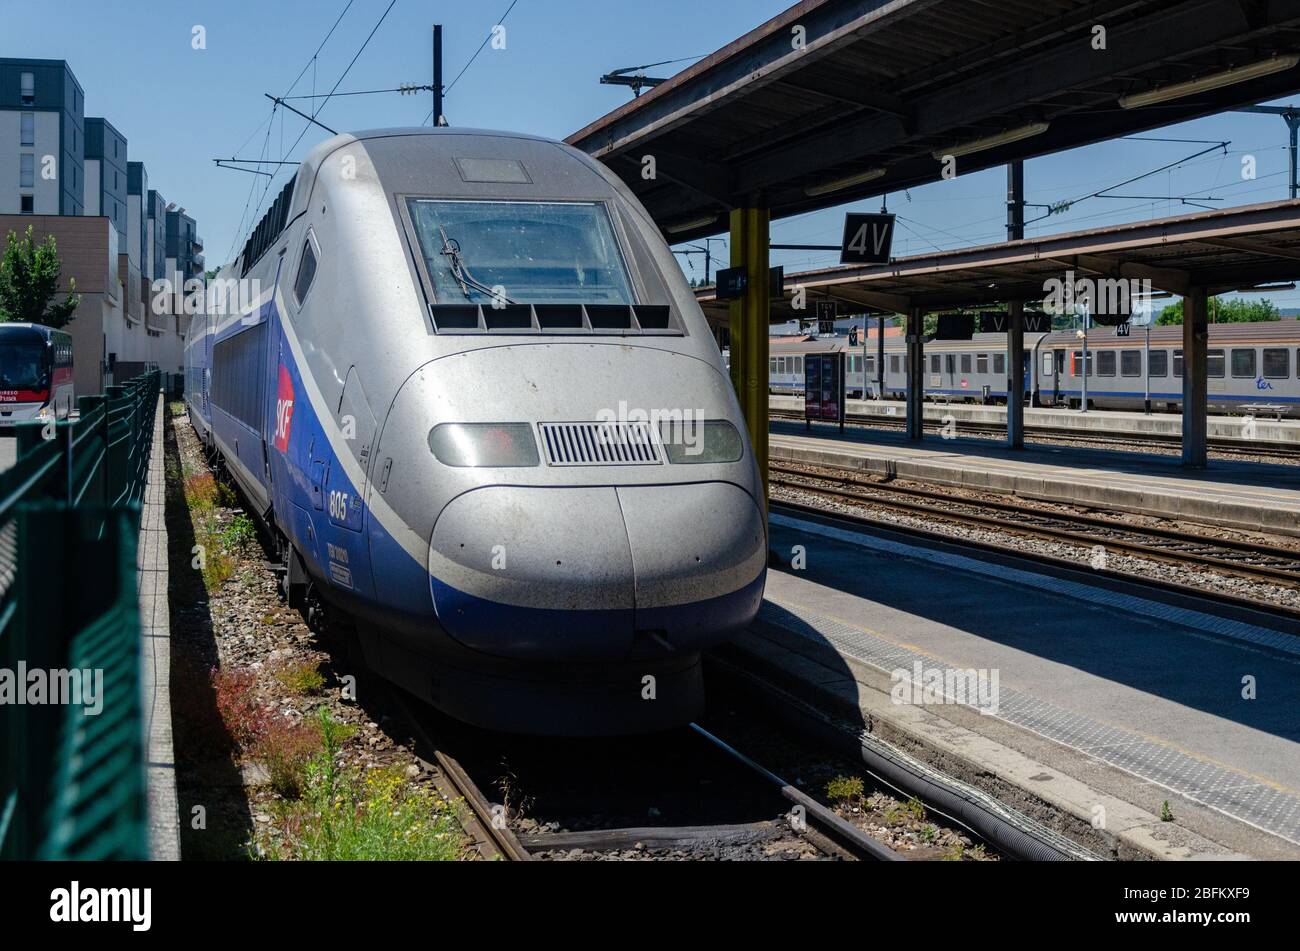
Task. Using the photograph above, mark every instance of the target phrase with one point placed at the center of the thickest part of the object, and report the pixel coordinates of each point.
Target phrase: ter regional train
(478, 406)
(1249, 365)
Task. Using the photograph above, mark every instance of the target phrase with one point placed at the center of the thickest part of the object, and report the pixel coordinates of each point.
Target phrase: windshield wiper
(451, 249)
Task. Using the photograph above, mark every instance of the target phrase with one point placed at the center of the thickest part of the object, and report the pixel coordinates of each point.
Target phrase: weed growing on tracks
(845, 790)
(302, 679)
(347, 814)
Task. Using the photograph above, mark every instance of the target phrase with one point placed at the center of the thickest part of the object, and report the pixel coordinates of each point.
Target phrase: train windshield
(525, 252)
(22, 362)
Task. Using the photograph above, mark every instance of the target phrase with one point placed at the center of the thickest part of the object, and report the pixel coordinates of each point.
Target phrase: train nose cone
(577, 572)
(534, 572)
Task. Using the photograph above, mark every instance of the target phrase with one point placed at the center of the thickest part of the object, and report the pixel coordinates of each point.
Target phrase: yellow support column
(750, 321)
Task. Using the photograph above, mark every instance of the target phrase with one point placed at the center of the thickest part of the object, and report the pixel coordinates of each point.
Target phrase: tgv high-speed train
(1248, 365)
(475, 400)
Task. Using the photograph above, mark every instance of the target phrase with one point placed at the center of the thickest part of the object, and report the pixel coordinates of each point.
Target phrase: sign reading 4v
(868, 239)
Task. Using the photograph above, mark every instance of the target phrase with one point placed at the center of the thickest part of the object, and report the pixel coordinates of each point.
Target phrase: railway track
(1273, 451)
(1248, 560)
(791, 815)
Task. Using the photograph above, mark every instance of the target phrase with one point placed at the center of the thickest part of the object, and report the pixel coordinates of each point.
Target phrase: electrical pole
(438, 118)
(1015, 201)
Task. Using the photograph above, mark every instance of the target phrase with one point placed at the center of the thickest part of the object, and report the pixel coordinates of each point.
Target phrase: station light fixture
(1192, 87)
(848, 181)
(690, 225)
(993, 141)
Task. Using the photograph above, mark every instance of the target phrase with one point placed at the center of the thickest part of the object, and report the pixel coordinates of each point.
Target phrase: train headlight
(484, 445)
(701, 441)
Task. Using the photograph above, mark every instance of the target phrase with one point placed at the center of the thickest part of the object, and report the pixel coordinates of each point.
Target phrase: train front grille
(600, 444)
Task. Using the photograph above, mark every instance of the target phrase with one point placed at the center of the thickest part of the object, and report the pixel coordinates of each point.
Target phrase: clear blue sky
(180, 107)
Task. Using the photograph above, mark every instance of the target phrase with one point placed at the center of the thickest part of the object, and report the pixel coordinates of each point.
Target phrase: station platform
(1246, 495)
(1265, 429)
(1103, 704)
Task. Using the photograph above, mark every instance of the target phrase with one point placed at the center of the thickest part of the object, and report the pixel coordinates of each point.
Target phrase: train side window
(1049, 364)
(936, 361)
(982, 364)
(1178, 363)
(1243, 364)
(895, 363)
(871, 364)
(1158, 364)
(1130, 363)
(965, 363)
(1216, 365)
(950, 362)
(1277, 363)
(1076, 362)
(999, 364)
(1106, 363)
(798, 364)
(306, 272)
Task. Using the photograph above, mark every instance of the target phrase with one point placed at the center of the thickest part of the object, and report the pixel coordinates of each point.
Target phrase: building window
(1277, 363)
(28, 204)
(27, 170)
(28, 129)
(1243, 364)
(1158, 364)
(28, 89)
(1130, 363)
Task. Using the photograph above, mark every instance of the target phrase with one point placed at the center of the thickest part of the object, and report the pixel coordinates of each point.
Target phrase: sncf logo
(283, 410)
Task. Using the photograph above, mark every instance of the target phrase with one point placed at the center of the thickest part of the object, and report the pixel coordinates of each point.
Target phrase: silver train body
(1250, 365)
(473, 396)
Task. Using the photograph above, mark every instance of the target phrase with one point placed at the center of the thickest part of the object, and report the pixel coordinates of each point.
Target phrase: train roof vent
(600, 444)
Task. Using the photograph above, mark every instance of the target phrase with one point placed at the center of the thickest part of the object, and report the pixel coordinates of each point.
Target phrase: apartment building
(57, 165)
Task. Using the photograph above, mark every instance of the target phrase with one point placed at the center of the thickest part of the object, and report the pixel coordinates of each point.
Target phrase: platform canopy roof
(1222, 250)
(876, 92)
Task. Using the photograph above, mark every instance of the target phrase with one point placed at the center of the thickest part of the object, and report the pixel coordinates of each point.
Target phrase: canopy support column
(1196, 335)
(915, 375)
(750, 323)
(1016, 375)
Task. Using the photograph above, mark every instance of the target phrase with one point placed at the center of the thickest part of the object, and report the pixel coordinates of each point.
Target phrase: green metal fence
(72, 783)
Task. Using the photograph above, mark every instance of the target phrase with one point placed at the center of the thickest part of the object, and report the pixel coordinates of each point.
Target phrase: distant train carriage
(1250, 366)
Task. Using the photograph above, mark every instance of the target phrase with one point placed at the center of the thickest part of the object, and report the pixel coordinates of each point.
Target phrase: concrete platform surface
(1100, 703)
(1248, 495)
(1263, 427)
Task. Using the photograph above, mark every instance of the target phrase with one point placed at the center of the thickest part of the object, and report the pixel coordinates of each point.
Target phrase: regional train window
(535, 251)
(895, 365)
(1216, 364)
(1130, 363)
(1158, 363)
(771, 366)
(1049, 364)
(1277, 363)
(798, 364)
(950, 361)
(982, 364)
(999, 364)
(1076, 362)
(1243, 364)
(1106, 363)
(965, 363)
(871, 364)
(936, 361)
(306, 272)
(1178, 363)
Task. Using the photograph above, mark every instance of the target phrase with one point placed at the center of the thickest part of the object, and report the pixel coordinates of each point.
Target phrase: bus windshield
(522, 251)
(22, 364)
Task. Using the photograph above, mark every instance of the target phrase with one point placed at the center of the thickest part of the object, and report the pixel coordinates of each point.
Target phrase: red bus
(35, 373)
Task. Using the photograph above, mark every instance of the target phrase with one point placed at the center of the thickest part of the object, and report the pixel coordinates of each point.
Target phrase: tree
(1235, 311)
(29, 281)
